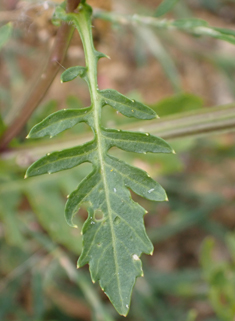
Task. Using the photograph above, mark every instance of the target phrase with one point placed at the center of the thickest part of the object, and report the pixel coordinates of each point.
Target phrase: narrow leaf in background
(164, 7)
(5, 34)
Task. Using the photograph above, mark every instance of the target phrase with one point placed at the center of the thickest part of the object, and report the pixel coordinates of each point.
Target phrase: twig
(40, 88)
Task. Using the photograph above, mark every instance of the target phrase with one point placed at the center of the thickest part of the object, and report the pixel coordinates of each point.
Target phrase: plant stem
(41, 86)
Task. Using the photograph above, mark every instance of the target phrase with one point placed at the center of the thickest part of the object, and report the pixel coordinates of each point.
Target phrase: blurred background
(191, 275)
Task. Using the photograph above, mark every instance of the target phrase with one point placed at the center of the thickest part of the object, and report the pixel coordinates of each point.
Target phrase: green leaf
(222, 36)
(224, 31)
(59, 161)
(59, 121)
(135, 142)
(164, 7)
(72, 73)
(126, 106)
(133, 178)
(114, 235)
(5, 34)
(100, 55)
(138, 180)
(189, 23)
(113, 244)
(201, 27)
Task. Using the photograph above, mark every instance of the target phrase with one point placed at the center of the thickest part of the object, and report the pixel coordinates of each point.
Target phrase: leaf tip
(173, 151)
(151, 253)
(25, 176)
(27, 137)
(166, 199)
(75, 226)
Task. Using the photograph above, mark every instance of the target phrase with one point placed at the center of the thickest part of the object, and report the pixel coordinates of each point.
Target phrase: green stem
(83, 24)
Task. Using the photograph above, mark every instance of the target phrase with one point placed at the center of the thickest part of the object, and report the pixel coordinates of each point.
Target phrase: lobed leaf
(59, 121)
(126, 106)
(113, 244)
(114, 235)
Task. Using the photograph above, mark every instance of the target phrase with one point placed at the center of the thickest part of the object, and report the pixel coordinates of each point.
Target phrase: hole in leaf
(82, 215)
(99, 215)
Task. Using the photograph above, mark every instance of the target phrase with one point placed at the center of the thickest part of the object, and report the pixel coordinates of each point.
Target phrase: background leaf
(164, 7)
(5, 34)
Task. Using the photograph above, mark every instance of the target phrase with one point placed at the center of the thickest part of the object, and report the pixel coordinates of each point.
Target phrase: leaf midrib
(106, 191)
(97, 105)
